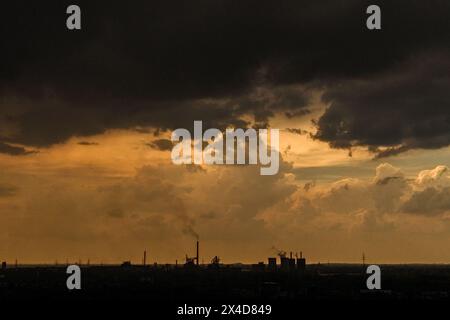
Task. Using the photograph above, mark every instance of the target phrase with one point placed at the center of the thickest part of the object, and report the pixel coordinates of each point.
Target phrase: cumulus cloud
(379, 204)
(389, 192)
(386, 172)
(435, 177)
(430, 201)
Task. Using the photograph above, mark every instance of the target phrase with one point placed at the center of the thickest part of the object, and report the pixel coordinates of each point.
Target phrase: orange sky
(111, 198)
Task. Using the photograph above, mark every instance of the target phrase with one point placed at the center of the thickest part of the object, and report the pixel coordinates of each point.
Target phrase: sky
(86, 118)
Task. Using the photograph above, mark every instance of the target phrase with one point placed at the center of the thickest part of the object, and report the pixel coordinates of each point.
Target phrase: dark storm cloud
(167, 63)
(162, 144)
(12, 150)
(405, 108)
(297, 131)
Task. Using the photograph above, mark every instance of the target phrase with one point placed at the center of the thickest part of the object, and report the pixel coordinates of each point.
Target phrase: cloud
(436, 176)
(162, 204)
(349, 199)
(14, 151)
(385, 172)
(395, 111)
(87, 143)
(431, 201)
(164, 66)
(389, 193)
(161, 144)
(163, 207)
(297, 131)
(431, 193)
(31, 124)
(7, 190)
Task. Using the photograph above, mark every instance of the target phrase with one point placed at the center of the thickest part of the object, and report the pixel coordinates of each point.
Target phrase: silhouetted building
(215, 263)
(193, 261)
(126, 264)
(258, 267)
(292, 264)
(284, 263)
(301, 262)
(272, 264)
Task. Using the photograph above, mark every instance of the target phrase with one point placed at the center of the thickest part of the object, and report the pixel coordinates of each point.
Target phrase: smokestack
(145, 258)
(301, 254)
(197, 253)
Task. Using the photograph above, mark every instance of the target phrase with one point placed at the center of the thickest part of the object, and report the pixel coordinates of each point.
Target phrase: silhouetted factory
(191, 261)
(284, 277)
(285, 263)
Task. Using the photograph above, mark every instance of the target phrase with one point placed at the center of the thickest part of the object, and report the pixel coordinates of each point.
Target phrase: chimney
(145, 258)
(197, 253)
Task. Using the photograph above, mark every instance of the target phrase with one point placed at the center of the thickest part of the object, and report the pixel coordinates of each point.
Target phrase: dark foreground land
(226, 283)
